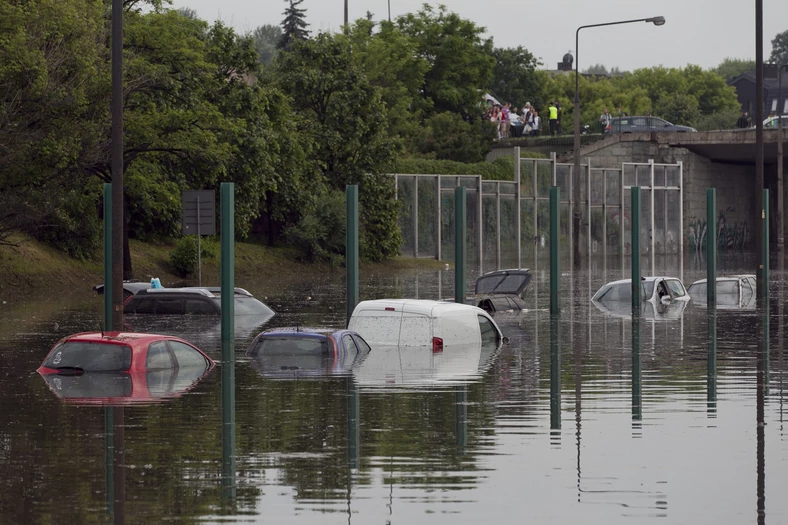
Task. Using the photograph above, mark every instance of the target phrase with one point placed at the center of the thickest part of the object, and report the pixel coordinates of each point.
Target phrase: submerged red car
(122, 367)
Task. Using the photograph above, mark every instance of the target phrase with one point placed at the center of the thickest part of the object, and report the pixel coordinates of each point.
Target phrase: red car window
(90, 357)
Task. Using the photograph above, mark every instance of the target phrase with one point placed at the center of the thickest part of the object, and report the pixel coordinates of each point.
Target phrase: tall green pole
(460, 255)
(228, 342)
(765, 244)
(555, 236)
(637, 393)
(351, 249)
(108, 257)
(228, 267)
(635, 250)
(711, 247)
(555, 375)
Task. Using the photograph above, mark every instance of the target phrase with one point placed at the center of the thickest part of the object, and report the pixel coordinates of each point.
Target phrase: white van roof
(415, 306)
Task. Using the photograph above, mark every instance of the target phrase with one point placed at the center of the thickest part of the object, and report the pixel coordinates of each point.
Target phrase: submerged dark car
(292, 353)
(122, 368)
(192, 300)
(501, 290)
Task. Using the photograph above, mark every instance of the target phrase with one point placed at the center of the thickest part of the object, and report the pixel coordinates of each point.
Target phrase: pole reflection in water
(114, 465)
(760, 399)
(461, 417)
(711, 362)
(555, 380)
(109, 460)
(228, 424)
(353, 428)
(637, 399)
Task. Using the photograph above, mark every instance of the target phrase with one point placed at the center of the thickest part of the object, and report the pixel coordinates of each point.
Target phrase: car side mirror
(505, 340)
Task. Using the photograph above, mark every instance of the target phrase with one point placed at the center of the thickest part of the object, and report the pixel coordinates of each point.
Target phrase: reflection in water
(463, 442)
(711, 363)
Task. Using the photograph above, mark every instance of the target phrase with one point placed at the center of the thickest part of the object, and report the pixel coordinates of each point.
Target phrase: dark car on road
(195, 301)
(290, 353)
(644, 125)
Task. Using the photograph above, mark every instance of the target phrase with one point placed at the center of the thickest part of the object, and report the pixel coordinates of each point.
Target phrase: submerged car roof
(119, 337)
(417, 306)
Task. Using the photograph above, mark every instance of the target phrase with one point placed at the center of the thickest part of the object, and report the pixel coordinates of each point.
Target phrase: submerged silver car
(733, 292)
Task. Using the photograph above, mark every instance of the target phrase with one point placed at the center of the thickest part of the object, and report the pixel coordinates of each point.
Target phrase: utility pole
(117, 165)
(759, 259)
(346, 21)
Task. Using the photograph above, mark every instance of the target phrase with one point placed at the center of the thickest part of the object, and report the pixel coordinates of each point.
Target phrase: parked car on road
(411, 322)
(291, 353)
(644, 125)
(121, 368)
(733, 291)
(773, 122)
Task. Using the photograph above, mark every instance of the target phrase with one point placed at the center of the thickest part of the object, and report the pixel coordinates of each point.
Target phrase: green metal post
(711, 362)
(555, 375)
(460, 255)
(107, 257)
(711, 247)
(555, 236)
(351, 249)
(637, 393)
(765, 243)
(228, 339)
(635, 220)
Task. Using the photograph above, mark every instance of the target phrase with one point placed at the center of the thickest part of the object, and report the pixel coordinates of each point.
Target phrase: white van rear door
(378, 323)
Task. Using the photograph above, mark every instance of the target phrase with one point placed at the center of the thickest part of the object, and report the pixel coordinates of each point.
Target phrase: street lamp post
(657, 21)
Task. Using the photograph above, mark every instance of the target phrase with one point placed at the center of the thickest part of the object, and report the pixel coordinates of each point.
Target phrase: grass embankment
(31, 269)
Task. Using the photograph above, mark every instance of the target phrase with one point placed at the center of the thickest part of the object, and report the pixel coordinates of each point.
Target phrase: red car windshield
(89, 357)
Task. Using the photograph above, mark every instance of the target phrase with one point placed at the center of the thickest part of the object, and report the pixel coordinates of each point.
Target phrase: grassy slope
(33, 269)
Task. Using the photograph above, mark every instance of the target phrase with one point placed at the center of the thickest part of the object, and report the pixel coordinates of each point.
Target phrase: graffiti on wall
(730, 235)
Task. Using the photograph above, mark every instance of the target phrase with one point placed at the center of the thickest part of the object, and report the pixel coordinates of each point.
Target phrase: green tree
(266, 38)
(780, 49)
(447, 136)
(293, 26)
(733, 67)
(344, 117)
(391, 63)
(514, 75)
(53, 80)
(460, 66)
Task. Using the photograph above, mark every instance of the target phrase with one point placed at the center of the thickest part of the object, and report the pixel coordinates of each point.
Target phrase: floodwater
(589, 420)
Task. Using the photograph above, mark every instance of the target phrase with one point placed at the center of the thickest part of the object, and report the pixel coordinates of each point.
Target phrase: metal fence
(508, 221)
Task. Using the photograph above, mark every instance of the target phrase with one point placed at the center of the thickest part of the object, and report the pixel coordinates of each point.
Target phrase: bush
(447, 136)
(320, 233)
(718, 120)
(184, 257)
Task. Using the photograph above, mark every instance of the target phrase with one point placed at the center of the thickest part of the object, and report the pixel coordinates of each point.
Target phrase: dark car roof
(513, 282)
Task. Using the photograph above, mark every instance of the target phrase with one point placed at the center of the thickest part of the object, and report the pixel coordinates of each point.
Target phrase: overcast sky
(702, 32)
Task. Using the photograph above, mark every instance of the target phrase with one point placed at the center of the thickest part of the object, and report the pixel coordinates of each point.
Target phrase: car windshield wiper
(70, 370)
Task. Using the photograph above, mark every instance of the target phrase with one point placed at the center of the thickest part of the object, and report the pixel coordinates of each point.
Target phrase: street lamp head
(657, 20)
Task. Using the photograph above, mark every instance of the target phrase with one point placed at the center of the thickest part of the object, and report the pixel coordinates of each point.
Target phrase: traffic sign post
(199, 218)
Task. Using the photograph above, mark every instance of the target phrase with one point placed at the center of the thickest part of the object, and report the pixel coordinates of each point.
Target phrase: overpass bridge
(724, 160)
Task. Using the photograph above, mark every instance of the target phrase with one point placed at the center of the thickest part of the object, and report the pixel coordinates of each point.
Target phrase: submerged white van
(412, 322)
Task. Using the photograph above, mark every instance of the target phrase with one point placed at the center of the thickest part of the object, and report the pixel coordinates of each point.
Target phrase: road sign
(199, 212)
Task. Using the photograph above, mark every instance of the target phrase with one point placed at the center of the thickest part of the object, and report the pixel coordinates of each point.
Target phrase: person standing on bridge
(605, 119)
(744, 121)
(552, 117)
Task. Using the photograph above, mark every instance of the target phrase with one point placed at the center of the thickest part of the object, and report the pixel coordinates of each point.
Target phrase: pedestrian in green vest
(553, 117)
